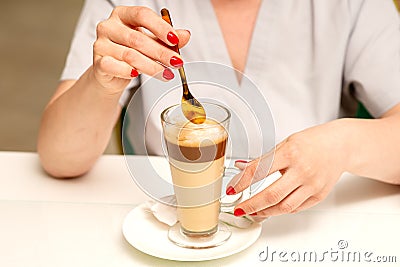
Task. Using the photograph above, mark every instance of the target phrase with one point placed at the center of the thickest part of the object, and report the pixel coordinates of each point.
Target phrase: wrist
(348, 140)
(105, 92)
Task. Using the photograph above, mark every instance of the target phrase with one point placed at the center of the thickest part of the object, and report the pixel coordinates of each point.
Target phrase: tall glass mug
(196, 154)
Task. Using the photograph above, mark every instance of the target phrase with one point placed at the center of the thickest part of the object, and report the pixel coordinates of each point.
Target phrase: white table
(77, 222)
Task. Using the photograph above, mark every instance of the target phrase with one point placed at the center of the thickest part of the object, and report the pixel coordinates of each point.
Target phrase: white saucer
(147, 234)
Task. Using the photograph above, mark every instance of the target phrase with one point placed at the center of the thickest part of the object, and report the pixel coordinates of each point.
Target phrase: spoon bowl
(191, 107)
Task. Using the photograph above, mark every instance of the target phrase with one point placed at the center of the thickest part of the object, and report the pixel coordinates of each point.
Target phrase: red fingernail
(176, 62)
(241, 161)
(168, 74)
(134, 73)
(239, 212)
(172, 38)
(253, 214)
(230, 191)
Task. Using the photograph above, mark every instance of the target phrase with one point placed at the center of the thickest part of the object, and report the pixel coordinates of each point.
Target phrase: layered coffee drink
(196, 154)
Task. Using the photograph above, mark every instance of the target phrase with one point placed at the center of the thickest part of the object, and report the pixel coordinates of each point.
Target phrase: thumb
(257, 170)
(241, 164)
(250, 173)
(184, 37)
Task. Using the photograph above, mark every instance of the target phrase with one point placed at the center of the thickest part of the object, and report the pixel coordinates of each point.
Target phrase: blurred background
(34, 41)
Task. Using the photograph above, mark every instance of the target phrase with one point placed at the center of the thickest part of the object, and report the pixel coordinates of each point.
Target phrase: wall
(34, 41)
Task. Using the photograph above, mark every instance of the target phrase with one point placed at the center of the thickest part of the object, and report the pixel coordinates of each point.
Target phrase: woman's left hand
(310, 161)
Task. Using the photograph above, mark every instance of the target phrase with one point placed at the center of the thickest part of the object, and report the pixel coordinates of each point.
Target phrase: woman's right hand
(123, 49)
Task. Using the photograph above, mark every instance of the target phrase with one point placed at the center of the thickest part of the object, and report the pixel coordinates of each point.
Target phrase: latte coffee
(196, 155)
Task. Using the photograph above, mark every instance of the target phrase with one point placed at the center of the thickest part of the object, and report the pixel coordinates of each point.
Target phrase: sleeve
(372, 64)
(80, 55)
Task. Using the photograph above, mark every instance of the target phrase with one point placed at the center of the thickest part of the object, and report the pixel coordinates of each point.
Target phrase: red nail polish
(253, 214)
(241, 161)
(176, 62)
(134, 73)
(172, 38)
(239, 212)
(230, 191)
(168, 74)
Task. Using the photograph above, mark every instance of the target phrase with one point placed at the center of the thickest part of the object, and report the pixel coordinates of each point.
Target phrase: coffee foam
(192, 135)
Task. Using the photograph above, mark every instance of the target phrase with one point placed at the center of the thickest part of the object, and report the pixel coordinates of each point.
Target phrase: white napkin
(163, 213)
(167, 214)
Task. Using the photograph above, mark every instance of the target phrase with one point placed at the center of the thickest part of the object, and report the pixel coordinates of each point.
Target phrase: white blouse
(309, 62)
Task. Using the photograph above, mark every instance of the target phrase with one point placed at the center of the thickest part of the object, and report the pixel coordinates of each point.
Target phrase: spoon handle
(186, 93)
(165, 16)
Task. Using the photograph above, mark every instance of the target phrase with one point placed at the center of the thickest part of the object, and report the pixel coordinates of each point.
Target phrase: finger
(288, 204)
(184, 37)
(271, 195)
(311, 201)
(110, 66)
(259, 169)
(252, 172)
(138, 16)
(241, 164)
(143, 43)
(134, 58)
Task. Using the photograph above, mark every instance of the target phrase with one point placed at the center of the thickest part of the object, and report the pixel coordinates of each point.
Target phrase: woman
(306, 56)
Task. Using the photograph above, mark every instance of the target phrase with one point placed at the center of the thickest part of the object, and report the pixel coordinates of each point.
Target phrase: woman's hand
(310, 162)
(123, 49)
